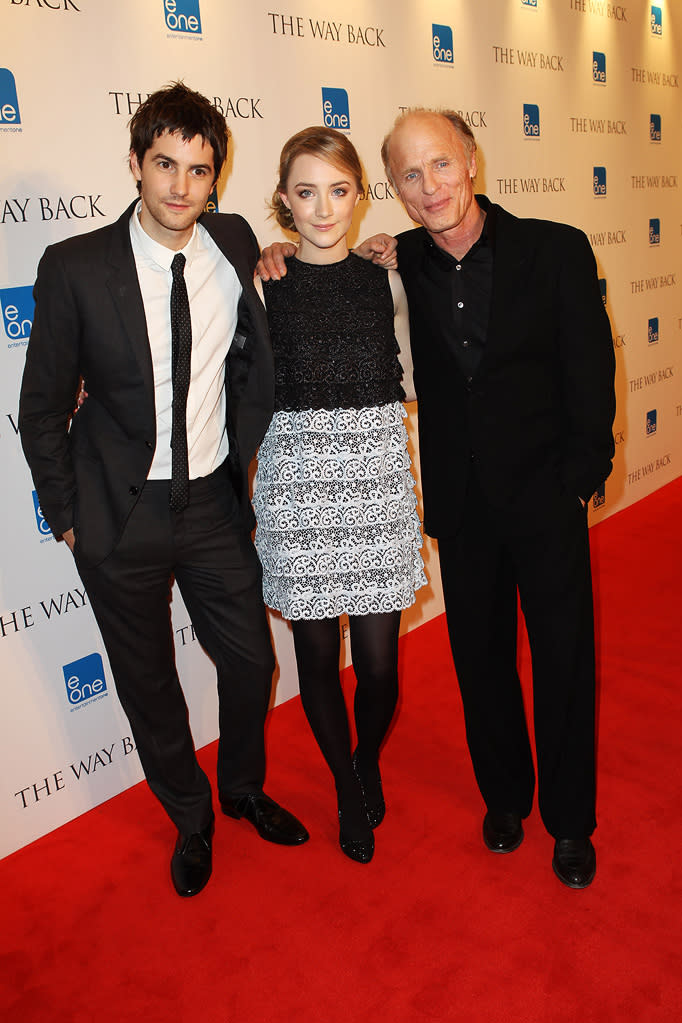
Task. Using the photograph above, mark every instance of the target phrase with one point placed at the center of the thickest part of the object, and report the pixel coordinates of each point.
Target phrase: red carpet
(436, 928)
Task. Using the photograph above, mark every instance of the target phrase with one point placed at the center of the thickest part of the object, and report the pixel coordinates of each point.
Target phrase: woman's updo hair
(327, 144)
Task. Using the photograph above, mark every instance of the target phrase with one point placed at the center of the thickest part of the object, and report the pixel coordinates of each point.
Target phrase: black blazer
(536, 420)
(89, 321)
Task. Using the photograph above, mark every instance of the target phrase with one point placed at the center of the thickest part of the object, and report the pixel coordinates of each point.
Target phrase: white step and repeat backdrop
(576, 107)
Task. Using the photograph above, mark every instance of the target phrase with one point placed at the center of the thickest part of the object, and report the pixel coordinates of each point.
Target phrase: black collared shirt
(459, 292)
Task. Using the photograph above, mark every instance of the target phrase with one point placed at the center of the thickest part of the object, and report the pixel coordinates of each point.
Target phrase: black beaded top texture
(333, 337)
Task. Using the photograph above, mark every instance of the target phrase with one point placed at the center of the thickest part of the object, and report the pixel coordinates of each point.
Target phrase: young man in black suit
(513, 369)
(159, 316)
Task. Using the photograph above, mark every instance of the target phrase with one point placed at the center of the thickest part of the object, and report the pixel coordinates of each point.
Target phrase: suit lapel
(124, 288)
(509, 279)
(234, 252)
(233, 244)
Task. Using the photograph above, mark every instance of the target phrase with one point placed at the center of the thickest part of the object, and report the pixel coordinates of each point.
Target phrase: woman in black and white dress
(338, 531)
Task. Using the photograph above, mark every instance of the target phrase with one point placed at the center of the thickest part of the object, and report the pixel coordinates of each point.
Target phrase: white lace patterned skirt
(338, 530)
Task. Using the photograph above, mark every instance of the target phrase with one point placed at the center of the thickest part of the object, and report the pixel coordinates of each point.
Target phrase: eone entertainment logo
(335, 109)
(41, 524)
(443, 49)
(654, 127)
(9, 103)
(85, 680)
(17, 314)
(599, 497)
(182, 16)
(652, 331)
(531, 120)
(654, 231)
(598, 67)
(651, 418)
(656, 21)
(599, 181)
(212, 202)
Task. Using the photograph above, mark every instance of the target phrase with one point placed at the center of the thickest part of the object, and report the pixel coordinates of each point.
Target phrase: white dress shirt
(214, 291)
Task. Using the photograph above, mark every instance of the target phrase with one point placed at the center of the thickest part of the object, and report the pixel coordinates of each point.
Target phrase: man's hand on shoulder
(382, 249)
(271, 265)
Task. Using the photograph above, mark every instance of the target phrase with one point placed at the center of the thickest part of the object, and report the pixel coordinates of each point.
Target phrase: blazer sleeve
(48, 391)
(587, 368)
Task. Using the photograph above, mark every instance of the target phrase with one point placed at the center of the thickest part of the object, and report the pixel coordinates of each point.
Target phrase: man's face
(176, 178)
(433, 170)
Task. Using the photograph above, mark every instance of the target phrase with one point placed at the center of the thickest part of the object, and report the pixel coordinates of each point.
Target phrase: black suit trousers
(210, 553)
(484, 567)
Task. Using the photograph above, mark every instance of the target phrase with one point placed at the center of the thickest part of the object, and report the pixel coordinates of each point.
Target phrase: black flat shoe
(271, 821)
(192, 861)
(574, 862)
(502, 832)
(373, 794)
(359, 849)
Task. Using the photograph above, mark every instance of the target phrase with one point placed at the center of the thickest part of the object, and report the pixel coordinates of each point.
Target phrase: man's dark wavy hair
(180, 111)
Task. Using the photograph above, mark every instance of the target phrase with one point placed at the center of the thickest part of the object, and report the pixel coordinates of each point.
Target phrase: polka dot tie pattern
(181, 334)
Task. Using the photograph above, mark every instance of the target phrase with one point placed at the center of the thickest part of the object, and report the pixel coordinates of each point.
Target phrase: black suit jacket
(89, 321)
(536, 419)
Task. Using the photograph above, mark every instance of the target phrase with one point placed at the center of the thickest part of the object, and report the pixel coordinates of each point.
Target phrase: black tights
(374, 648)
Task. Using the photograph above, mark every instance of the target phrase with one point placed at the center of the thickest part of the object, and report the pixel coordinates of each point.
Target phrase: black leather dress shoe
(575, 861)
(502, 832)
(192, 861)
(271, 821)
(373, 794)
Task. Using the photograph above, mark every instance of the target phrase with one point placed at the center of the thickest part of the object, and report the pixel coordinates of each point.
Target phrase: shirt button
(465, 344)
(460, 305)
(459, 266)
(134, 491)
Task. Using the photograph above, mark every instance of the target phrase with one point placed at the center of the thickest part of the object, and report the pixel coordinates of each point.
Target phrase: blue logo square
(531, 120)
(599, 67)
(441, 36)
(335, 109)
(654, 231)
(599, 496)
(656, 20)
(84, 680)
(651, 422)
(17, 307)
(655, 127)
(41, 524)
(9, 104)
(183, 16)
(652, 332)
(599, 180)
(602, 288)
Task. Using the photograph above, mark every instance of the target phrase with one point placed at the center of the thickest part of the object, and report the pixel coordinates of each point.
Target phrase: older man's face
(432, 170)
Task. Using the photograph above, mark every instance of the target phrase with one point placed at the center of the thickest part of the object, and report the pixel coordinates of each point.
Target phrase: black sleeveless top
(332, 336)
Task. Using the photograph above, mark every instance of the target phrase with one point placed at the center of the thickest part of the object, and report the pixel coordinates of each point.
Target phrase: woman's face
(321, 197)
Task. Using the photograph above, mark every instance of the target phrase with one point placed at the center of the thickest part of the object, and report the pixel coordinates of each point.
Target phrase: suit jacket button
(134, 491)
(149, 444)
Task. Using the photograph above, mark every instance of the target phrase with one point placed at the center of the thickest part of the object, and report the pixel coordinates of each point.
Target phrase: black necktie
(181, 334)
